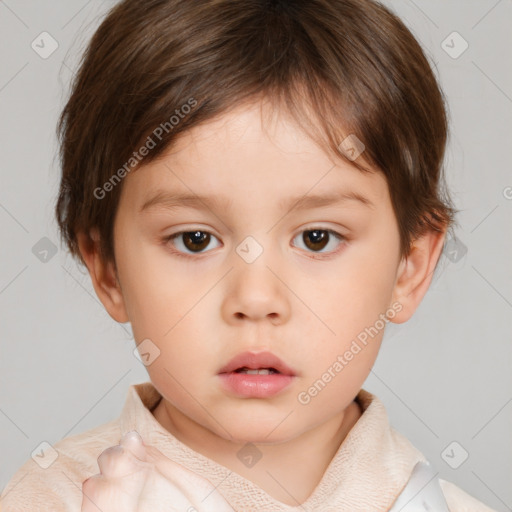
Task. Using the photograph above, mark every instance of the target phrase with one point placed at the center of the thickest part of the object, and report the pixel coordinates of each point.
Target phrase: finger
(114, 494)
(118, 462)
(132, 441)
(103, 495)
(200, 492)
(121, 481)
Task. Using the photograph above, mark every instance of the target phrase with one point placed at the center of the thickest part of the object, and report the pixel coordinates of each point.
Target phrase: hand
(135, 477)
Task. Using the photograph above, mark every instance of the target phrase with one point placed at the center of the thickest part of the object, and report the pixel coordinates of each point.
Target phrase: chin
(256, 431)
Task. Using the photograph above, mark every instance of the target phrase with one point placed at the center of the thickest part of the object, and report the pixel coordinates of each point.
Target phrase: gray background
(444, 376)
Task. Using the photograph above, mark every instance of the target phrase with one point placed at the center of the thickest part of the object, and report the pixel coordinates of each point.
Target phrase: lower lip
(255, 386)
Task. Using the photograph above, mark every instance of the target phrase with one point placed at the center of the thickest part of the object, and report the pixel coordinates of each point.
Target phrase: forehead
(252, 152)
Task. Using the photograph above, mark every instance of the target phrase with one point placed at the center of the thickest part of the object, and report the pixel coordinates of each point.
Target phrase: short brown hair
(339, 67)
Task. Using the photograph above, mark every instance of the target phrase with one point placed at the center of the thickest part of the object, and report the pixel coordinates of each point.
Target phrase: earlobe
(415, 273)
(103, 275)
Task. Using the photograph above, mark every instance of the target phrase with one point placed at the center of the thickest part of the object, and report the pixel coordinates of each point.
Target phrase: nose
(255, 290)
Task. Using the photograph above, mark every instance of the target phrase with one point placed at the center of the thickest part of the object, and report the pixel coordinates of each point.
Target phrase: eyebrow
(171, 201)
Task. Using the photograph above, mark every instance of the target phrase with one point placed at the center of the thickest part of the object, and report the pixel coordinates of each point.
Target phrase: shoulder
(402, 453)
(460, 501)
(54, 482)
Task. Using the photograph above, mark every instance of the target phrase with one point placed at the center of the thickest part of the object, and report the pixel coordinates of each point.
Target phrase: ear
(103, 276)
(415, 273)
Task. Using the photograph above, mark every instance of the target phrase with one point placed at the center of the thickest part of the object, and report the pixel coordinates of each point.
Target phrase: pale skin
(304, 305)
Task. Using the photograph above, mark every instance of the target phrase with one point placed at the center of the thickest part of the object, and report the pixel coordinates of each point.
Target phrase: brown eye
(189, 242)
(315, 240)
(196, 240)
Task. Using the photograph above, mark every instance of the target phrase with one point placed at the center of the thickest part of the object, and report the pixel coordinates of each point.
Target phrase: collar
(368, 472)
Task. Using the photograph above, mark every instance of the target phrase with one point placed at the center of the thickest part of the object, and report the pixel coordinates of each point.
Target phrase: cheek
(152, 293)
(352, 296)
(371, 270)
(166, 307)
(346, 310)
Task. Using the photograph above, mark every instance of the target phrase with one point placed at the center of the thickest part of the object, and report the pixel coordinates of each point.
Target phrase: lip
(254, 385)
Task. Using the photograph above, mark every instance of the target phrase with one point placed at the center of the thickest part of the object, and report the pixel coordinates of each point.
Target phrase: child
(256, 187)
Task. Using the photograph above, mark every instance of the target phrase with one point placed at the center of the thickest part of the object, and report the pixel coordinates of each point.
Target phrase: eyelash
(315, 255)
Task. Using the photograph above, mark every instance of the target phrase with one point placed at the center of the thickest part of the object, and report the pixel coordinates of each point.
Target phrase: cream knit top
(367, 473)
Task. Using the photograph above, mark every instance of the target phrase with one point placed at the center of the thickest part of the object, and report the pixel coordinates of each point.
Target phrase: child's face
(304, 298)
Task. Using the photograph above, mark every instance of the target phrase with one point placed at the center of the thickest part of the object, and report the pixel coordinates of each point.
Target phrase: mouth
(257, 371)
(257, 363)
(256, 375)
